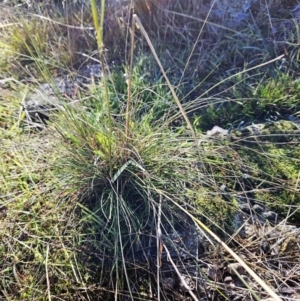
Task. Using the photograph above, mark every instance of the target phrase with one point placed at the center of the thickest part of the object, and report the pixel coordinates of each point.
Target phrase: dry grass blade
(159, 246)
(242, 72)
(197, 40)
(136, 19)
(47, 274)
(128, 81)
(184, 283)
(111, 196)
(10, 24)
(260, 281)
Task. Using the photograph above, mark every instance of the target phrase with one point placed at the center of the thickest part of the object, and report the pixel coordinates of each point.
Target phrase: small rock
(245, 208)
(265, 247)
(214, 273)
(246, 176)
(257, 208)
(91, 70)
(287, 290)
(228, 279)
(188, 282)
(223, 188)
(235, 266)
(217, 130)
(169, 282)
(270, 215)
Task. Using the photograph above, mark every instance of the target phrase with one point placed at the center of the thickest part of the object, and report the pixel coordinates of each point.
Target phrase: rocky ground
(252, 204)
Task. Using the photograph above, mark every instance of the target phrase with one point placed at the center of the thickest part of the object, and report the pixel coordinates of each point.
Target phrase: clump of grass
(97, 205)
(211, 65)
(59, 41)
(272, 99)
(123, 204)
(29, 215)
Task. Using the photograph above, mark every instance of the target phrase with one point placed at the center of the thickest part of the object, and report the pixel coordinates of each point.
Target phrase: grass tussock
(123, 196)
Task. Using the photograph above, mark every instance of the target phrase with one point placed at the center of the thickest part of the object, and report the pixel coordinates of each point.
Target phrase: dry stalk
(260, 281)
(146, 36)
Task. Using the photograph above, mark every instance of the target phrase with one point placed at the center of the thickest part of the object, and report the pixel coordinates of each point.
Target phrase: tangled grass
(134, 202)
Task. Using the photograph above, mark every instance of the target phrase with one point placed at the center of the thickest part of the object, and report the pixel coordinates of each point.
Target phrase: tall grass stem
(260, 281)
(197, 40)
(99, 34)
(129, 82)
(146, 36)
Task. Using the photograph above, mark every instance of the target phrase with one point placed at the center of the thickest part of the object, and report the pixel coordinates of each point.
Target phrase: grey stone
(232, 267)
(270, 215)
(245, 208)
(257, 208)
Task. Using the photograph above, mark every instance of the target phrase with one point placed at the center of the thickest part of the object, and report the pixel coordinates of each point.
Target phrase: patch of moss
(279, 94)
(216, 210)
(262, 162)
(252, 102)
(270, 132)
(273, 163)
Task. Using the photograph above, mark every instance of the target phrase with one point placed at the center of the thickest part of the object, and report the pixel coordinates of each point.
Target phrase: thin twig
(259, 280)
(196, 43)
(159, 246)
(183, 282)
(128, 81)
(135, 18)
(47, 274)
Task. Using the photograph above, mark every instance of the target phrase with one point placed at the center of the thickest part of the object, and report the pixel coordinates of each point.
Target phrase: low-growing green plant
(108, 201)
(56, 40)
